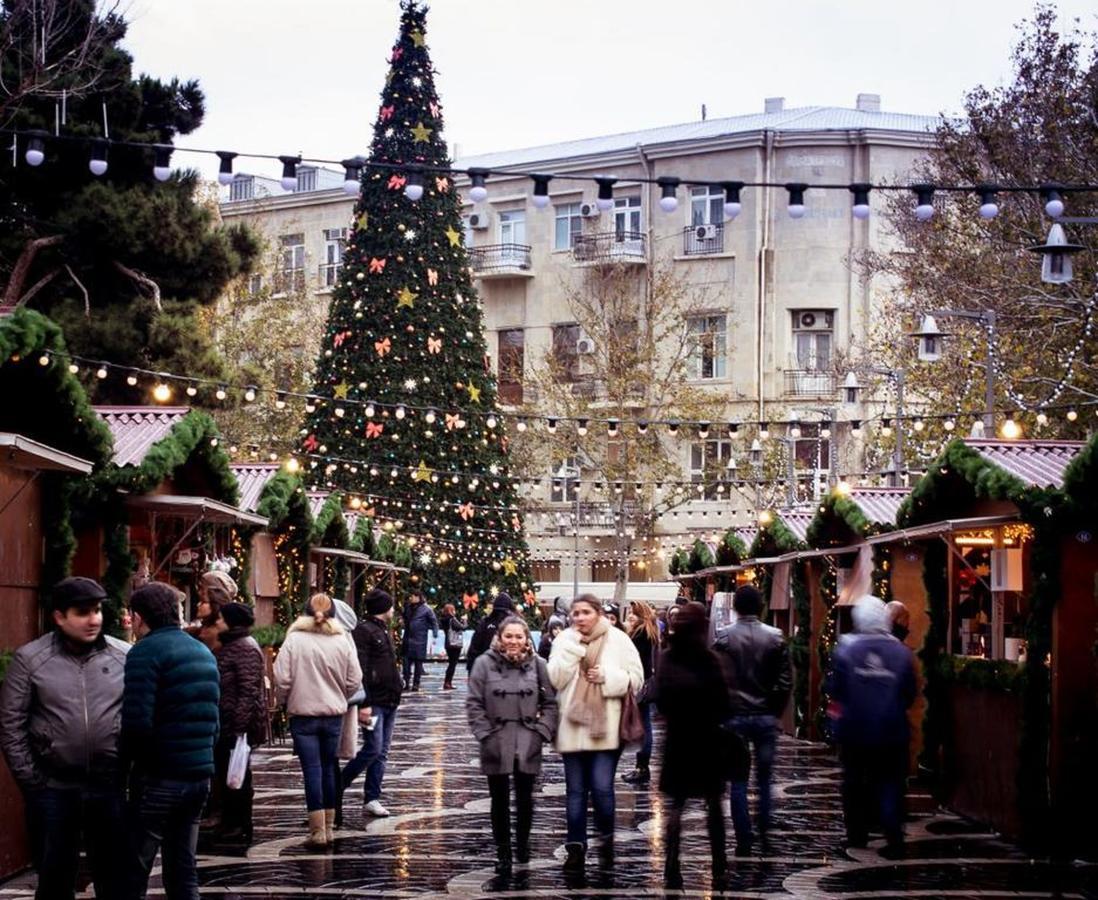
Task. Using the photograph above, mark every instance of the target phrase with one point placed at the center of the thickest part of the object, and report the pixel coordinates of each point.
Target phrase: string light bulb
(225, 167)
(491, 421)
(101, 372)
(989, 207)
(1054, 204)
(478, 193)
(97, 165)
(796, 199)
(1042, 419)
(162, 393)
(642, 427)
(35, 153)
(289, 172)
(612, 427)
(413, 187)
(249, 393)
(924, 201)
(551, 425)
(131, 380)
(860, 207)
(541, 191)
(886, 427)
(949, 424)
(220, 393)
(520, 425)
(1010, 429)
(1072, 415)
(352, 174)
(669, 202)
(605, 198)
(581, 427)
(764, 430)
(44, 359)
(162, 161)
(400, 412)
(192, 390)
(732, 202)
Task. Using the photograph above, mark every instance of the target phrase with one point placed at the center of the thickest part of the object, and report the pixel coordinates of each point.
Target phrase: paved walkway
(438, 843)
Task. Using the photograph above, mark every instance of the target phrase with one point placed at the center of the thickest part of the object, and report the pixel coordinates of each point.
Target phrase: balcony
(610, 247)
(809, 383)
(501, 261)
(702, 240)
(328, 275)
(594, 515)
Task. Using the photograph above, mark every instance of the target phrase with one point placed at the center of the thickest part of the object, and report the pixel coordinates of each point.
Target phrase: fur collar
(309, 624)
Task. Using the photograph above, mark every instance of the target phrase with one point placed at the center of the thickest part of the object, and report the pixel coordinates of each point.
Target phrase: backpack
(455, 634)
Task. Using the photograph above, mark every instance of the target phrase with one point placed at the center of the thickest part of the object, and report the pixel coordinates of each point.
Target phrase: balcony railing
(500, 259)
(596, 515)
(700, 240)
(610, 247)
(809, 383)
(329, 274)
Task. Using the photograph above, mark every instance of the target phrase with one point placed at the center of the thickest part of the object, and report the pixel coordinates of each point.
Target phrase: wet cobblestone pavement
(437, 842)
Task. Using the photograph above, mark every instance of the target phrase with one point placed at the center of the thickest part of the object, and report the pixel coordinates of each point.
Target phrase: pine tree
(407, 420)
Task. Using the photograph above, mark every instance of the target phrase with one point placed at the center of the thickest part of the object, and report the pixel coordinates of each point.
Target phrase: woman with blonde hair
(512, 711)
(593, 666)
(316, 673)
(644, 632)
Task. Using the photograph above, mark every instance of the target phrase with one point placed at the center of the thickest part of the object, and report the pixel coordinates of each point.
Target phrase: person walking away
(60, 707)
(502, 608)
(215, 589)
(419, 620)
(691, 694)
(315, 674)
(759, 676)
(640, 625)
(545, 645)
(243, 711)
(512, 710)
(592, 666)
(899, 620)
(382, 685)
(453, 628)
(170, 720)
(872, 682)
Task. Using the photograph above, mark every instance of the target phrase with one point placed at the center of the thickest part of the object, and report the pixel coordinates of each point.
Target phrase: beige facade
(783, 295)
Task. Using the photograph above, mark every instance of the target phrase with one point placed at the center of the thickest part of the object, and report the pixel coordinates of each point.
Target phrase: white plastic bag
(238, 764)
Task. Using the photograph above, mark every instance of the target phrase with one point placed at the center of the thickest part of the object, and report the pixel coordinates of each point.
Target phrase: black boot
(574, 862)
(606, 851)
(338, 822)
(672, 874)
(503, 859)
(640, 775)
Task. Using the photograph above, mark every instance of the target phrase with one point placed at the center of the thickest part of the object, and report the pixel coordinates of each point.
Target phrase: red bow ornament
(338, 340)
(397, 182)
(311, 443)
(387, 113)
(466, 510)
(470, 600)
(383, 347)
(374, 429)
(377, 266)
(434, 345)
(432, 277)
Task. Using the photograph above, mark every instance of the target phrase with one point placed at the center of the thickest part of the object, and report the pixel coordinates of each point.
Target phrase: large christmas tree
(407, 422)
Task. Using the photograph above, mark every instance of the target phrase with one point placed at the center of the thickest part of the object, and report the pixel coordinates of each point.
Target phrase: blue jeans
(762, 732)
(56, 817)
(164, 817)
(316, 743)
(590, 773)
(374, 753)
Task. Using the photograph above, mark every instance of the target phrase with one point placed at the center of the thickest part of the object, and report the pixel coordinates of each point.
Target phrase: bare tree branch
(83, 290)
(142, 280)
(13, 291)
(37, 286)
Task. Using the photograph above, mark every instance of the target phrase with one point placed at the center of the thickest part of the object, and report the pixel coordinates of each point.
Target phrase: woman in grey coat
(512, 711)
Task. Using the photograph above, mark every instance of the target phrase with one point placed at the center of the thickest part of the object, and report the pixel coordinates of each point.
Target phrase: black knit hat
(503, 601)
(378, 602)
(76, 591)
(237, 615)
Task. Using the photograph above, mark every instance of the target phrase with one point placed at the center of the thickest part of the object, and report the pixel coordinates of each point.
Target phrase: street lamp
(928, 331)
(852, 387)
(929, 340)
(1056, 256)
(570, 475)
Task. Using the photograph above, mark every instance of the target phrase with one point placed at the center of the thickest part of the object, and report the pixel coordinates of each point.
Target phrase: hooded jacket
(317, 670)
(381, 677)
(419, 621)
(60, 713)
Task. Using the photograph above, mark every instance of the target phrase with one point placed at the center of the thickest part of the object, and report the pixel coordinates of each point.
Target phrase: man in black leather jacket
(755, 661)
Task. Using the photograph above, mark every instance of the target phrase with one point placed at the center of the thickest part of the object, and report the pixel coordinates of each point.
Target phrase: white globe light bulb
(924, 211)
(731, 210)
(669, 204)
(989, 210)
(478, 194)
(413, 191)
(540, 201)
(97, 166)
(860, 210)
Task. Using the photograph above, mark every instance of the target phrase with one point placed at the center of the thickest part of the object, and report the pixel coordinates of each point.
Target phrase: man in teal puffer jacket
(169, 727)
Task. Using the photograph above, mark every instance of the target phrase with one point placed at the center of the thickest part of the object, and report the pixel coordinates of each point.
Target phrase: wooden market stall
(264, 579)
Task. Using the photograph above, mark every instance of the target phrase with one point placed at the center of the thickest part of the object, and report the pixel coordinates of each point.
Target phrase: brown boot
(329, 825)
(318, 836)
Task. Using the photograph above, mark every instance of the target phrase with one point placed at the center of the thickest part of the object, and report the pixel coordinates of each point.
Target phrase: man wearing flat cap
(60, 707)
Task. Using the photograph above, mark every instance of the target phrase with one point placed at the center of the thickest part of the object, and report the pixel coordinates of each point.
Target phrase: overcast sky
(287, 77)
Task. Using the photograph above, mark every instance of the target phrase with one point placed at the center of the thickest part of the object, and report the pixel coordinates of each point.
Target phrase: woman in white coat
(592, 666)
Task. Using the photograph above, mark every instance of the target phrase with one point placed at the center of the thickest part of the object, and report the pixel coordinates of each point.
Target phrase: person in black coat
(453, 627)
(691, 694)
(644, 631)
(503, 607)
(419, 621)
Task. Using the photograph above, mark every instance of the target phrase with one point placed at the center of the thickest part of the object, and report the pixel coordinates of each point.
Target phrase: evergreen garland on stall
(330, 530)
(731, 551)
(285, 505)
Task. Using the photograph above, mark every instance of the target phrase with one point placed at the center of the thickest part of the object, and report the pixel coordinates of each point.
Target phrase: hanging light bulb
(668, 201)
(1042, 419)
(310, 406)
(856, 427)
(491, 421)
(477, 191)
(162, 161)
(949, 424)
(192, 390)
(430, 417)
(225, 167)
(249, 393)
(352, 174)
(370, 410)
(413, 187)
(581, 427)
(703, 430)
(1072, 415)
(605, 198)
(340, 412)
(764, 430)
(97, 165)
(551, 425)
(825, 429)
(860, 209)
(162, 393)
(886, 427)
(400, 412)
(44, 359)
(220, 393)
(541, 191)
(1010, 429)
(732, 204)
(289, 172)
(924, 201)
(280, 399)
(73, 368)
(520, 425)
(1054, 204)
(642, 427)
(101, 372)
(672, 428)
(35, 154)
(794, 426)
(131, 380)
(796, 199)
(989, 207)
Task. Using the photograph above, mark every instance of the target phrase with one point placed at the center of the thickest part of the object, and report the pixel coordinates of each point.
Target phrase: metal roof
(316, 501)
(1037, 463)
(201, 508)
(22, 453)
(805, 118)
(251, 479)
(880, 504)
(797, 520)
(136, 428)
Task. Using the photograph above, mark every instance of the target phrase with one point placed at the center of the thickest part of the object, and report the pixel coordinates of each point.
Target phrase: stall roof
(1037, 463)
(880, 504)
(195, 507)
(251, 479)
(797, 520)
(136, 428)
(23, 453)
(355, 557)
(316, 501)
(933, 529)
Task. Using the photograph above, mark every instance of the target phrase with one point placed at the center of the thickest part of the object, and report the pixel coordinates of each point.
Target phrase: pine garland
(284, 504)
(330, 530)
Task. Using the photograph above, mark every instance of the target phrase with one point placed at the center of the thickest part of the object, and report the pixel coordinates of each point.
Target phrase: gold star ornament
(454, 236)
(417, 38)
(341, 390)
(422, 473)
(510, 567)
(406, 298)
(362, 221)
(474, 393)
(421, 133)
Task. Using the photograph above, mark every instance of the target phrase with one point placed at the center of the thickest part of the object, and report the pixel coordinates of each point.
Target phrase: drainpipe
(764, 246)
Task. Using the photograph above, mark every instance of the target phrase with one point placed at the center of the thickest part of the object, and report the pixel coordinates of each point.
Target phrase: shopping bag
(238, 764)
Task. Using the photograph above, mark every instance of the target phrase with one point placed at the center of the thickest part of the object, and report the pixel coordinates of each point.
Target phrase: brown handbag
(631, 729)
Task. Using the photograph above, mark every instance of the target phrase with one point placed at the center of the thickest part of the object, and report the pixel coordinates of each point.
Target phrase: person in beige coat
(316, 672)
(593, 666)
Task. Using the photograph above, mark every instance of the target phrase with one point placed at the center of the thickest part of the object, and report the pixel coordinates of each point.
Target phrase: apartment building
(783, 294)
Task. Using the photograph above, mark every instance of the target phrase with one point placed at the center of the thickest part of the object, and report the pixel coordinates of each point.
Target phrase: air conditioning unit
(589, 210)
(813, 320)
(585, 346)
(705, 232)
(478, 221)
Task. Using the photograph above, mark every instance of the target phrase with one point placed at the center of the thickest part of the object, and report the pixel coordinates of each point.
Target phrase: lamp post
(929, 350)
(851, 388)
(570, 475)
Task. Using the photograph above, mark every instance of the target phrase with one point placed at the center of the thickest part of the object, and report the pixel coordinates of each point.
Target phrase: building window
(627, 218)
(708, 462)
(512, 227)
(813, 331)
(708, 346)
(255, 284)
(242, 187)
(568, 225)
(563, 490)
(565, 358)
(512, 357)
(706, 206)
(306, 179)
(335, 241)
(810, 451)
(292, 263)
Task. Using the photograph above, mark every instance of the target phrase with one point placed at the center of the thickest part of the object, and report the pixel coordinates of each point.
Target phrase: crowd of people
(152, 740)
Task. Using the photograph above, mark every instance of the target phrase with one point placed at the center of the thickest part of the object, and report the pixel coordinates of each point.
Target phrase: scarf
(588, 707)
